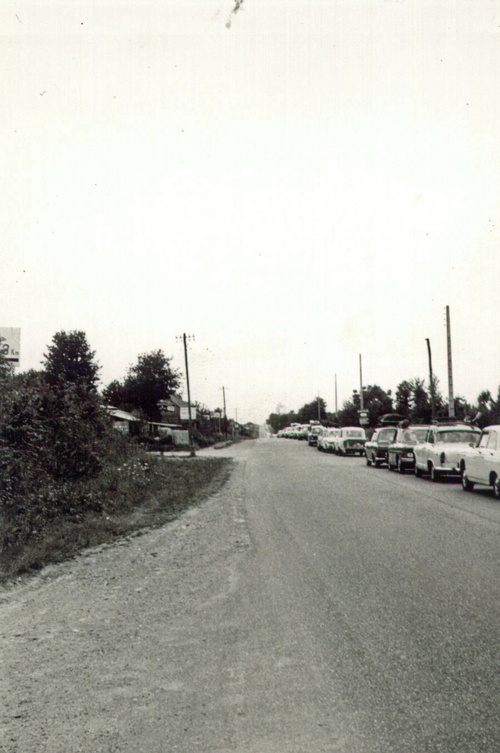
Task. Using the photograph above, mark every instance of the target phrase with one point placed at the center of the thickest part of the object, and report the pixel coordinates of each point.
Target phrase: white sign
(10, 343)
(184, 414)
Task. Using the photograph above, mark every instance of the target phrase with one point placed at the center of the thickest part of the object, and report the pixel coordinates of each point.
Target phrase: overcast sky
(294, 184)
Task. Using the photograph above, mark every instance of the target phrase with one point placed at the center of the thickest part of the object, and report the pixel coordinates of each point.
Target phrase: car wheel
(376, 463)
(418, 472)
(467, 485)
(435, 475)
(399, 466)
(496, 487)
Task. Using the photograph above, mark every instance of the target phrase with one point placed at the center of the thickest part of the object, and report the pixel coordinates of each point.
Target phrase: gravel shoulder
(105, 652)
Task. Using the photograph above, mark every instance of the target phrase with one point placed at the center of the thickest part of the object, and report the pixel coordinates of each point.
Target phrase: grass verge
(138, 494)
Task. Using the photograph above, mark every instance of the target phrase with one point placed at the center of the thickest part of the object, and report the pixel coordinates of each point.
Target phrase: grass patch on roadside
(136, 493)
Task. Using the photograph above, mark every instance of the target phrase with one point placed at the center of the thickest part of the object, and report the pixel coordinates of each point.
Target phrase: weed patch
(53, 522)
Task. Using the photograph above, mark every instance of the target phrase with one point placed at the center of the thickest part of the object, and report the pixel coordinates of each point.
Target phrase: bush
(52, 438)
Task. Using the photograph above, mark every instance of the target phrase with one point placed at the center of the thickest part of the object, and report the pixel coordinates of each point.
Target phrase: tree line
(413, 400)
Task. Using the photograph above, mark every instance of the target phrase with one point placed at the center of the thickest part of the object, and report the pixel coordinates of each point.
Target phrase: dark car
(312, 439)
(376, 448)
(400, 456)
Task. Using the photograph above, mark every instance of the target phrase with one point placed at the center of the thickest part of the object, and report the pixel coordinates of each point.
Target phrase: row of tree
(413, 400)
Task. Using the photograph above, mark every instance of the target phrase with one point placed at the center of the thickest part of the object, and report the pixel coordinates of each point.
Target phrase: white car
(326, 439)
(440, 453)
(352, 440)
(481, 464)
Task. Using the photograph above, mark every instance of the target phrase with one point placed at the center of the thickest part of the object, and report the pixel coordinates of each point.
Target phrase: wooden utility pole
(361, 403)
(431, 378)
(451, 398)
(225, 414)
(185, 338)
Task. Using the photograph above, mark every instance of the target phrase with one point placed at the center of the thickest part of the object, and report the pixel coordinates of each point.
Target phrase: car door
(422, 451)
(486, 458)
(476, 463)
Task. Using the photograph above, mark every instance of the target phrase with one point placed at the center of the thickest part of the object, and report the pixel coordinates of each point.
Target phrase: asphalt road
(314, 604)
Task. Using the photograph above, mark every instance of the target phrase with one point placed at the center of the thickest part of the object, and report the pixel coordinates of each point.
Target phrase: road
(314, 604)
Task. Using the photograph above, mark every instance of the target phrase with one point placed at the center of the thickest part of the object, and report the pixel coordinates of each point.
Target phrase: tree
(313, 411)
(375, 400)
(403, 398)
(70, 359)
(150, 380)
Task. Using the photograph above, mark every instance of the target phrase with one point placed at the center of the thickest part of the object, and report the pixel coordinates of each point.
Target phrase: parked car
(390, 419)
(312, 439)
(442, 449)
(351, 441)
(481, 464)
(400, 455)
(326, 438)
(303, 431)
(376, 447)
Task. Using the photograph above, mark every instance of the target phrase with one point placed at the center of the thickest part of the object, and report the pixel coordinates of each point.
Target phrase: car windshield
(387, 434)
(457, 436)
(419, 434)
(409, 437)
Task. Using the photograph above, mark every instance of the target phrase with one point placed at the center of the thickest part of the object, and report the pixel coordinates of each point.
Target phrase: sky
(295, 184)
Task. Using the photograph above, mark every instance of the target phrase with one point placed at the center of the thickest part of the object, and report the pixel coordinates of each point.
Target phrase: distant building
(174, 410)
(122, 421)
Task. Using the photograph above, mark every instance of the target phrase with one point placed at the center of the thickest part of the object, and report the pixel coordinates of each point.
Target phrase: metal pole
(431, 378)
(336, 408)
(451, 399)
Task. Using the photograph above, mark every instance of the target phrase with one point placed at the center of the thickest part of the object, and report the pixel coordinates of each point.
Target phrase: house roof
(120, 415)
(177, 401)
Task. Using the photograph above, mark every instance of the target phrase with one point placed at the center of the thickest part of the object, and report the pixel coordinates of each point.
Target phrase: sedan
(481, 464)
(376, 448)
(400, 455)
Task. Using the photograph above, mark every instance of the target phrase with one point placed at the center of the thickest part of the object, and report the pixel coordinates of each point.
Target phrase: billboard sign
(10, 344)
(184, 414)
(364, 419)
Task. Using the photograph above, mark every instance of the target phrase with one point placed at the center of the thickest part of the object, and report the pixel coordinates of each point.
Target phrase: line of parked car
(446, 449)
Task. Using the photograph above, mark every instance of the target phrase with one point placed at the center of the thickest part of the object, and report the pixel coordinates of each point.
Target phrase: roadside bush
(69, 480)
(52, 438)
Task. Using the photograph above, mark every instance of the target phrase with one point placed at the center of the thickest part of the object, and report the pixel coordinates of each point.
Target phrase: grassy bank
(134, 493)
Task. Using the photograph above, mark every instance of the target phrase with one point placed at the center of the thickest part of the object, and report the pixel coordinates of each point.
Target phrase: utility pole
(431, 378)
(336, 407)
(361, 403)
(225, 414)
(185, 338)
(451, 399)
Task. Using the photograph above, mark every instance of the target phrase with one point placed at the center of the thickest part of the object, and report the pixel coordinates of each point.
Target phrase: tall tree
(151, 379)
(313, 411)
(70, 359)
(375, 400)
(403, 398)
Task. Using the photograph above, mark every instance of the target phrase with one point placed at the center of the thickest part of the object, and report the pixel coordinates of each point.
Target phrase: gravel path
(101, 653)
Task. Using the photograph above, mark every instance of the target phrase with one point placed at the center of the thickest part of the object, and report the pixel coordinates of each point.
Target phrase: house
(175, 410)
(122, 421)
